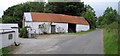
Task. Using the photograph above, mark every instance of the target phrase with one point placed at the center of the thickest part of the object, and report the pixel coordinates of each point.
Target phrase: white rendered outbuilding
(53, 23)
(8, 34)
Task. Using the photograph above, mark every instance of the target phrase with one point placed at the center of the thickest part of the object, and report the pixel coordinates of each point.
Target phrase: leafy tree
(15, 13)
(90, 16)
(9, 19)
(109, 16)
(23, 33)
(68, 8)
(64, 0)
(109, 22)
(118, 33)
(0, 20)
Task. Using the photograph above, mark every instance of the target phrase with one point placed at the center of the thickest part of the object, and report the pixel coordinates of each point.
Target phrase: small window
(39, 26)
(10, 36)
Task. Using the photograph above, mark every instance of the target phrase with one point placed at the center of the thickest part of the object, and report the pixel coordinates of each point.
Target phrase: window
(40, 26)
(10, 36)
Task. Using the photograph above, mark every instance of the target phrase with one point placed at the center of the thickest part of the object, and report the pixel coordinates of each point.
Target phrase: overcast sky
(98, 5)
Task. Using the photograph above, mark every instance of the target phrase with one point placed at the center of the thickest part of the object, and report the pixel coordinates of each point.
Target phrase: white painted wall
(7, 26)
(60, 27)
(5, 42)
(35, 27)
(80, 27)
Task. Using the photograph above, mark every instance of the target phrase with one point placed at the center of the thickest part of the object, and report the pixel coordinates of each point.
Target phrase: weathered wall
(60, 27)
(5, 41)
(80, 27)
(35, 27)
(7, 26)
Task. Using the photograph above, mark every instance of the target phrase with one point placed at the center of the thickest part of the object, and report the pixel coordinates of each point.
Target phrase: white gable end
(27, 16)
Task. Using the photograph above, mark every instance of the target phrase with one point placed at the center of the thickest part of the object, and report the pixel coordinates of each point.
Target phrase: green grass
(0, 20)
(4, 51)
(110, 42)
(0, 52)
(84, 32)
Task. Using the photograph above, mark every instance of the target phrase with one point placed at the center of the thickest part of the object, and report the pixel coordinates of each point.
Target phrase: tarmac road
(90, 43)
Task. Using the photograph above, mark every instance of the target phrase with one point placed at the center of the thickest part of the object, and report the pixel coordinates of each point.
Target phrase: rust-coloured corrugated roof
(49, 17)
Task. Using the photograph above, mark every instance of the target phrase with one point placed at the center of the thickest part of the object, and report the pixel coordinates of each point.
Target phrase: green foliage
(4, 51)
(119, 33)
(110, 43)
(84, 32)
(109, 21)
(23, 33)
(15, 13)
(90, 16)
(0, 20)
(64, 0)
(110, 15)
(111, 38)
(10, 19)
(68, 8)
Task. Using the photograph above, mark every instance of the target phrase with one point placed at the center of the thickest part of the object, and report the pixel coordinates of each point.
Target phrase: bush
(111, 38)
(23, 33)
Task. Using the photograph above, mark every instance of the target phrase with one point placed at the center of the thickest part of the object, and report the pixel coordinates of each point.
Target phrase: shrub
(23, 33)
(111, 38)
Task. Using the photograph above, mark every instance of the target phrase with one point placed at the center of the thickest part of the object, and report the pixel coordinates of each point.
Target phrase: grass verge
(110, 42)
(84, 32)
(4, 51)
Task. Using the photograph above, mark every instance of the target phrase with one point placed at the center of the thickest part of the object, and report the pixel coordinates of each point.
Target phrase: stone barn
(39, 23)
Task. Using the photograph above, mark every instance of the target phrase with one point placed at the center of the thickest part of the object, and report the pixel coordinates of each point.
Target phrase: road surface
(90, 43)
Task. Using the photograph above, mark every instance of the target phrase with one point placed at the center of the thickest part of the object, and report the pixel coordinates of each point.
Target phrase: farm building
(8, 34)
(39, 23)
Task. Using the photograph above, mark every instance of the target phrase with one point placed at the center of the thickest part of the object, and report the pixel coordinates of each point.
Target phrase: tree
(89, 15)
(64, 0)
(9, 19)
(68, 8)
(109, 16)
(15, 13)
(23, 33)
(0, 20)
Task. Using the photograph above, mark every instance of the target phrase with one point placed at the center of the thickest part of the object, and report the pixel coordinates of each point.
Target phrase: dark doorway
(53, 29)
(71, 27)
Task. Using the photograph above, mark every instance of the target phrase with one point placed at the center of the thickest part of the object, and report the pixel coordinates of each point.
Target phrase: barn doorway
(71, 27)
(53, 29)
